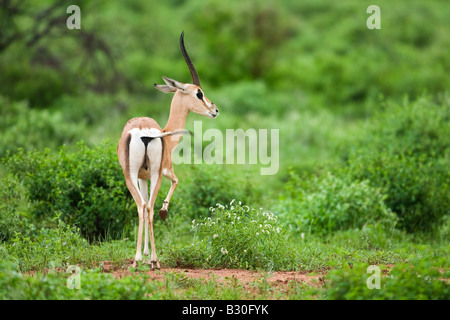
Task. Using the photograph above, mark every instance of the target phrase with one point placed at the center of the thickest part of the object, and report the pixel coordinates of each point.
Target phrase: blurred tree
(43, 59)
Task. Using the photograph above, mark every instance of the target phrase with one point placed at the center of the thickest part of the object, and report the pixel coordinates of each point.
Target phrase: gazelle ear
(172, 85)
(165, 88)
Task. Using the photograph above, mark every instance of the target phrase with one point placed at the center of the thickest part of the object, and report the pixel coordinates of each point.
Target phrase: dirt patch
(244, 277)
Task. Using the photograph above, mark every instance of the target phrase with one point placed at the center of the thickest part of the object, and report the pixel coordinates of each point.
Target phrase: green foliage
(93, 285)
(86, 186)
(13, 217)
(36, 84)
(22, 127)
(364, 161)
(328, 204)
(238, 236)
(412, 169)
(403, 282)
(262, 27)
(45, 247)
(208, 185)
(411, 128)
(255, 96)
(339, 62)
(417, 190)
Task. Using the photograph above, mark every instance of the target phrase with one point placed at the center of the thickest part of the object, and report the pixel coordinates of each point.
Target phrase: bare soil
(245, 277)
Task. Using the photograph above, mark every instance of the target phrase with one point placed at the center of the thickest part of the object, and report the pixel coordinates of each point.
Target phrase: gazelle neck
(177, 116)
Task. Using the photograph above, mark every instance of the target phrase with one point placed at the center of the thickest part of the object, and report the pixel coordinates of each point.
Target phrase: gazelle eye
(200, 95)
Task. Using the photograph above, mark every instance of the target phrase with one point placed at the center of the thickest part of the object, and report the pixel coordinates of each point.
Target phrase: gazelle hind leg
(154, 189)
(142, 209)
(143, 189)
(154, 153)
(136, 157)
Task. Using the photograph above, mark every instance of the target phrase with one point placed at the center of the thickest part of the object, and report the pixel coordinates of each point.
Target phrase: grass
(363, 173)
(337, 258)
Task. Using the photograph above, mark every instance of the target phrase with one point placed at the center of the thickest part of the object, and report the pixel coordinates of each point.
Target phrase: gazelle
(145, 151)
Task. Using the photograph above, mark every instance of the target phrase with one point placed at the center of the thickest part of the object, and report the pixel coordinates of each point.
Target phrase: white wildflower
(223, 250)
(215, 236)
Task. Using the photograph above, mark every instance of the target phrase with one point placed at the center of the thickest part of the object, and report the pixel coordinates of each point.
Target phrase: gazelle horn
(189, 63)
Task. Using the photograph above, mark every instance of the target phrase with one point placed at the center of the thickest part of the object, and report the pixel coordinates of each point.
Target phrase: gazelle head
(192, 94)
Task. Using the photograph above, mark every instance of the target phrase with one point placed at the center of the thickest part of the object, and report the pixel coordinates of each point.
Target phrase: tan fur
(184, 101)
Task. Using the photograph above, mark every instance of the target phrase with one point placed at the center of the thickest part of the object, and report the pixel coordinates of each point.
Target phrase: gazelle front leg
(169, 174)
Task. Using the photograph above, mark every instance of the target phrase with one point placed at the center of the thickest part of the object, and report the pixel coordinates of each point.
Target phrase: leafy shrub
(404, 154)
(244, 97)
(45, 247)
(403, 282)
(36, 84)
(86, 186)
(13, 219)
(349, 65)
(243, 38)
(22, 127)
(328, 204)
(416, 189)
(207, 185)
(237, 236)
(413, 128)
(94, 285)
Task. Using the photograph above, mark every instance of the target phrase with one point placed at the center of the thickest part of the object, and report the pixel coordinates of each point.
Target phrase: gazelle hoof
(155, 265)
(163, 214)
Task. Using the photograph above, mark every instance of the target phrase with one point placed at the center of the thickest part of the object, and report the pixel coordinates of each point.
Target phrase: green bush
(328, 204)
(403, 282)
(404, 153)
(13, 215)
(94, 285)
(86, 186)
(243, 38)
(417, 190)
(36, 84)
(237, 236)
(243, 97)
(23, 127)
(59, 246)
(412, 128)
(207, 185)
